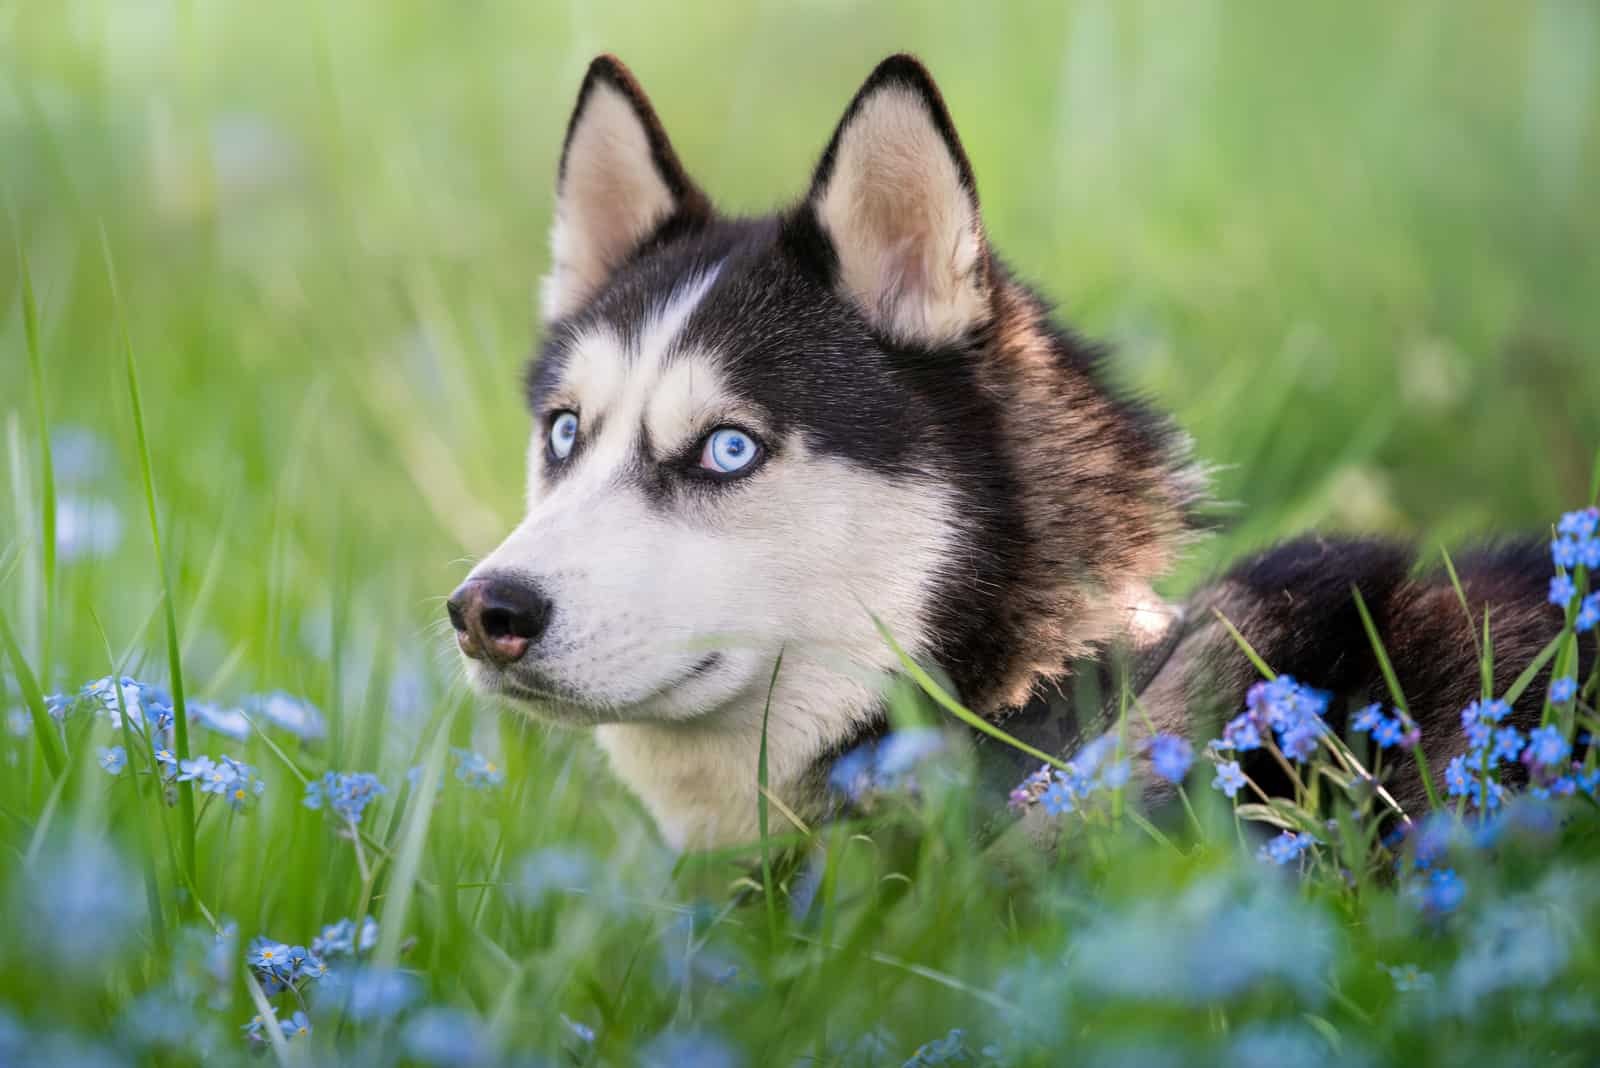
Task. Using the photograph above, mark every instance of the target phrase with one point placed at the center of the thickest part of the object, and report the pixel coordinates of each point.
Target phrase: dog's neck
(698, 778)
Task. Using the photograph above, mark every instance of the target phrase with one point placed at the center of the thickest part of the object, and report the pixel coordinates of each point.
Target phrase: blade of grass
(180, 710)
(47, 476)
(762, 806)
(43, 727)
(1396, 694)
(1461, 595)
(931, 687)
(1249, 650)
(408, 858)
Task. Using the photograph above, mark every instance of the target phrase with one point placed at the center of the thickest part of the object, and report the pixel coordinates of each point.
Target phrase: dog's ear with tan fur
(619, 186)
(895, 198)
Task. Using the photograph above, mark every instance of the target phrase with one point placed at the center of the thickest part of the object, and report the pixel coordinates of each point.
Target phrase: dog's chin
(695, 689)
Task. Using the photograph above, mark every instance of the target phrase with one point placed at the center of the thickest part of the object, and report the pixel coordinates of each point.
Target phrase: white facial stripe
(661, 330)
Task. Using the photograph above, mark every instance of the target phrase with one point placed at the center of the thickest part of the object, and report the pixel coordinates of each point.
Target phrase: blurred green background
(1353, 247)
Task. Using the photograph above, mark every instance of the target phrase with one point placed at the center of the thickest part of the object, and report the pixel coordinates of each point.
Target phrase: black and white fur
(934, 450)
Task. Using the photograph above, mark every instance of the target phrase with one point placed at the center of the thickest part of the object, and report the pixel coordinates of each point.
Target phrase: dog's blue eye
(563, 433)
(728, 450)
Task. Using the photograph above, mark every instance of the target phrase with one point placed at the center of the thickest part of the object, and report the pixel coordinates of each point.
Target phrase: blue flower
(1588, 614)
(1390, 732)
(1229, 778)
(1563, 690)
(1058, 798)
(113, 759)
(239, 782)
(1170, 756)
(1562, 591)
(851, 774)
(902, 750)
(1367, 718)
(1478, 735)
(299, 1026)
(257, 1025)
(581, 1031)
(476, 770)
(1241, 733)
(269, 957)
(1589, 553)
(1508, 742)
(347, 793)
(1441, 891)
(1299, 742)
(1287, 847)
(1457, 777)
(1547, 747)
(1580, 524)
(335, 940)
(1564, 551)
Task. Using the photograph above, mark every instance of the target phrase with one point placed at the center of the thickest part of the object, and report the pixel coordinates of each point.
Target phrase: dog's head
(756, 434)
(730, 452)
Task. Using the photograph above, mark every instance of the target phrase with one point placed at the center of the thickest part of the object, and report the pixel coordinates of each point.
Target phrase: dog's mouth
(528, 685)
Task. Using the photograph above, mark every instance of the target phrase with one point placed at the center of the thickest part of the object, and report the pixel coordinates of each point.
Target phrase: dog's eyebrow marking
(661, 330)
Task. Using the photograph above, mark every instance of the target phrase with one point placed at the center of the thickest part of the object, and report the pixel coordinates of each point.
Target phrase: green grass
(1351, 248)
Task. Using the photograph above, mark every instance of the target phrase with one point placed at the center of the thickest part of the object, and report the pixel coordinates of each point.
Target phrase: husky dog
(755, 436)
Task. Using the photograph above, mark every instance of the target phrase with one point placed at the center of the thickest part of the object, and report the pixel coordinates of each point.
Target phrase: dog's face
(744, 432)
(740, 427)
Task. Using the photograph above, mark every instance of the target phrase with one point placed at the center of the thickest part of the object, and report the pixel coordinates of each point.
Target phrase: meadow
(266, 292)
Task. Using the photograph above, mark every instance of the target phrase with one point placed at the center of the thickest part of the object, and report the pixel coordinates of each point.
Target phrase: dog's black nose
(497, 619)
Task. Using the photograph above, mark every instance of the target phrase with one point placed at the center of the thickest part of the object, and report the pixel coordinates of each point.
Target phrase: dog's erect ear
(895, 197)
(619, 183)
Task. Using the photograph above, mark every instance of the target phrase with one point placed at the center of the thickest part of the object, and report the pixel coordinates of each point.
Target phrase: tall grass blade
(47, 475)
(413, 836)
(1396, 694)
(762, 806)
(44, 728)
(180, 709)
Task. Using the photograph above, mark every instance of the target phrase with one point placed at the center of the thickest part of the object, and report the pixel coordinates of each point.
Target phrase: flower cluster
(1387, 731)
(1281, 709)
(1064, 790)
(1170, 756)
(233, 780)
(346, 794)
(1287, 847)
(1577, 545)
(1544, 751)
(149, 708)
(280, 967)
(477, 770)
